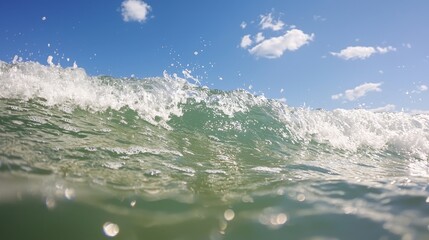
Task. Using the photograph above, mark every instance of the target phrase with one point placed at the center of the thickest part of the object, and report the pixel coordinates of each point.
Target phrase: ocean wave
(172, 102)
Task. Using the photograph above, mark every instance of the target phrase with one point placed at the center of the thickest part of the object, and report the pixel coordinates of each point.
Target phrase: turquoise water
(86, 157)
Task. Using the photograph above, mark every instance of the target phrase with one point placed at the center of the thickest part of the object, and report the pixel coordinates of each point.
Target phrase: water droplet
(229, 215)
(69, 193)
(300, 197)
(50, 202)
(223, 225)
(110, 229)
(279, 219)
(272, 218)
(247, 199)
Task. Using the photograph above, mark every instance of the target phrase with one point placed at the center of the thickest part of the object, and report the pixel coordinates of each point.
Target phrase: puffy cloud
(275, 47)
(246, 41)
(358, 92)
(135, 10)
(259, 37)
(360, 52)
(268, 22)
(423, 88)
(355, 52)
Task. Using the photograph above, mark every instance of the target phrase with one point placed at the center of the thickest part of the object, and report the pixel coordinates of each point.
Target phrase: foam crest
(155, 99)
(230, 103)
(352, 130)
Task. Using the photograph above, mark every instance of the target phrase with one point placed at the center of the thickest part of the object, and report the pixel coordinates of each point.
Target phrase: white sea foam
(267, 169)
(359, 129)
(155, 102)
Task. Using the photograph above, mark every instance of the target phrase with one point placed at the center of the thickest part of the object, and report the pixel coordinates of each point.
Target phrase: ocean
(98, 157)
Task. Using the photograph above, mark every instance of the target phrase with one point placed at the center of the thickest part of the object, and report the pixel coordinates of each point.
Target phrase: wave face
(260, 163)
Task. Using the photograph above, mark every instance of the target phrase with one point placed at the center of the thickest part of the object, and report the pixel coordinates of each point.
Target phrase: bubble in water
(229, 215)
(110, 229)
(223, 225)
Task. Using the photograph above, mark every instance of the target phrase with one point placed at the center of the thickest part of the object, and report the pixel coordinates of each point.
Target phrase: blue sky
(327, 53)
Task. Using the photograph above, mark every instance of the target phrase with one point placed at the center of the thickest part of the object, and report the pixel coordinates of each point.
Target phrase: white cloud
(355, 52)
(259, 37)
(387, 108)
(246, 41)
(243, 25)
(407, 45)
(423, 88)
(275, 47)
(360, 52)
(358, 92)
(268, 22)
(386, 49)
(337, 96)
(319, 18)
(135, 10)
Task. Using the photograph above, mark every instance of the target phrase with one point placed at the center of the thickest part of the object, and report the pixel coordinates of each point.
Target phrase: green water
(96, 158)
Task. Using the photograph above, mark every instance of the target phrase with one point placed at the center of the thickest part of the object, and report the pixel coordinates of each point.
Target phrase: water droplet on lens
(229, 215)
(69, 193)
(110, 229)
(50, 202)
(281, 219)
(300, 197)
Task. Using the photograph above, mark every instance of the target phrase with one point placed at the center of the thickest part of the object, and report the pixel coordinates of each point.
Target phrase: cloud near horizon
(135, 10)
(358, 92)
(361, 52)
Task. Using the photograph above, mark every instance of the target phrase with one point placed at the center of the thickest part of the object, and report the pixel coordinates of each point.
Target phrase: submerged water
(98, 157)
